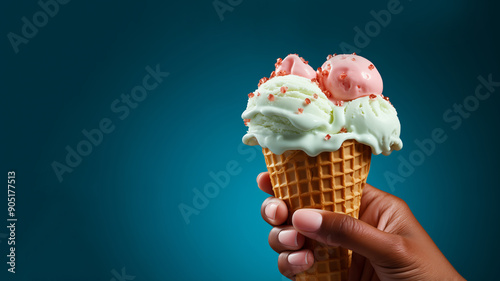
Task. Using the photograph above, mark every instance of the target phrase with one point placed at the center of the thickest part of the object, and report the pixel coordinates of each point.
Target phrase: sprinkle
(315, 96)
(270, 97)
(284, 89)
(339, 103)
(335, 54)
(372, 96)
(278, 62)
(307, 101)
(328, 94)
(314, 80)
(281, 73)
(258, 94)
(359, 87)
(250, 95)
(387, 99)
(325, 72)
(353, 59)
(342, 76)
(343, 130)
(246, 121)
(303, 60)
(328, 67)
(300, 110)
(329, 57)
(262, 81)
(354, 54)
(327, 137)
(371, 67)
(273, 74)
(320, 69)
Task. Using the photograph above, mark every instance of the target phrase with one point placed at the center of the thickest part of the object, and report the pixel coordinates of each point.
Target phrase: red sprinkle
(250, 95)
(343, 130)
(303, 60)
(320, 70)
(328, 67)
(262, 81)
(339, 103)
(300, 110)
(273, 74)
(372, 96)
(315, 96)
(246, 121)
(270, 97)
(354, 53)
(307, 101)
(359, 87)
(278, 62)
(353, 59)
(281, 73)
(325, 72)
(328, 94)
(258, 94)
(371, 67)
(284, 89)
(329, 57)
(327, 137)
(386, 98)
(343, 76)
(314, 80)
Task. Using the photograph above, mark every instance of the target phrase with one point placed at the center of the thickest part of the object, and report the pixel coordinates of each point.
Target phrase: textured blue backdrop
(117, 211)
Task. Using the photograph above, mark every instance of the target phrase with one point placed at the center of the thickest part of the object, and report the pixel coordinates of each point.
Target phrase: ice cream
(348, 77)
(318, 131)
(293, 64)
(342, 101)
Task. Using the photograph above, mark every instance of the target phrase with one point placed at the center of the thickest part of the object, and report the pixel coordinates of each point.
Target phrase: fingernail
(308, 221)
(271, 210)
(288, 237)
(258, 176)
(298, 258)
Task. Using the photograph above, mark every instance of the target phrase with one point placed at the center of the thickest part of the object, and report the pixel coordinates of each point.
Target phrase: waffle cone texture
(331, 181)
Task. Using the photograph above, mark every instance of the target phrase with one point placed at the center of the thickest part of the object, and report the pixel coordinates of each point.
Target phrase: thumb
(336, 229)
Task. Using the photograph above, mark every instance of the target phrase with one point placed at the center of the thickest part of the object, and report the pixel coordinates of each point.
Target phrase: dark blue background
(120, 206)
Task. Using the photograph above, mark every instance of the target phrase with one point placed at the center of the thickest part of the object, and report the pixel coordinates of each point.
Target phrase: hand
(387, 241)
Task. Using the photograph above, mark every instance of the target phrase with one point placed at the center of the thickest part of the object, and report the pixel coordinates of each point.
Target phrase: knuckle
(399, 246)
(343, 226)
(400, 203)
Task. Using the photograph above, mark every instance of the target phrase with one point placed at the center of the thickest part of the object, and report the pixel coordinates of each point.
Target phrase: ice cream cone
(331, 181)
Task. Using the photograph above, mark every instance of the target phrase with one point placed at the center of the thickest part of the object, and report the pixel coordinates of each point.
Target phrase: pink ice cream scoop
(293, 64)
(348, 77)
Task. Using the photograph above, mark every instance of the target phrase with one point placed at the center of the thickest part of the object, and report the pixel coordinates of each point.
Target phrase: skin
(387, 241)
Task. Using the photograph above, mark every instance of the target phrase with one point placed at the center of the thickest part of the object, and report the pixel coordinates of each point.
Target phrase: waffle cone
(331, 181)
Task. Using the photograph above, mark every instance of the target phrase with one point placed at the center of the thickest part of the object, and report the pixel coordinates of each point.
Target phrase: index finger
(264, 183)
